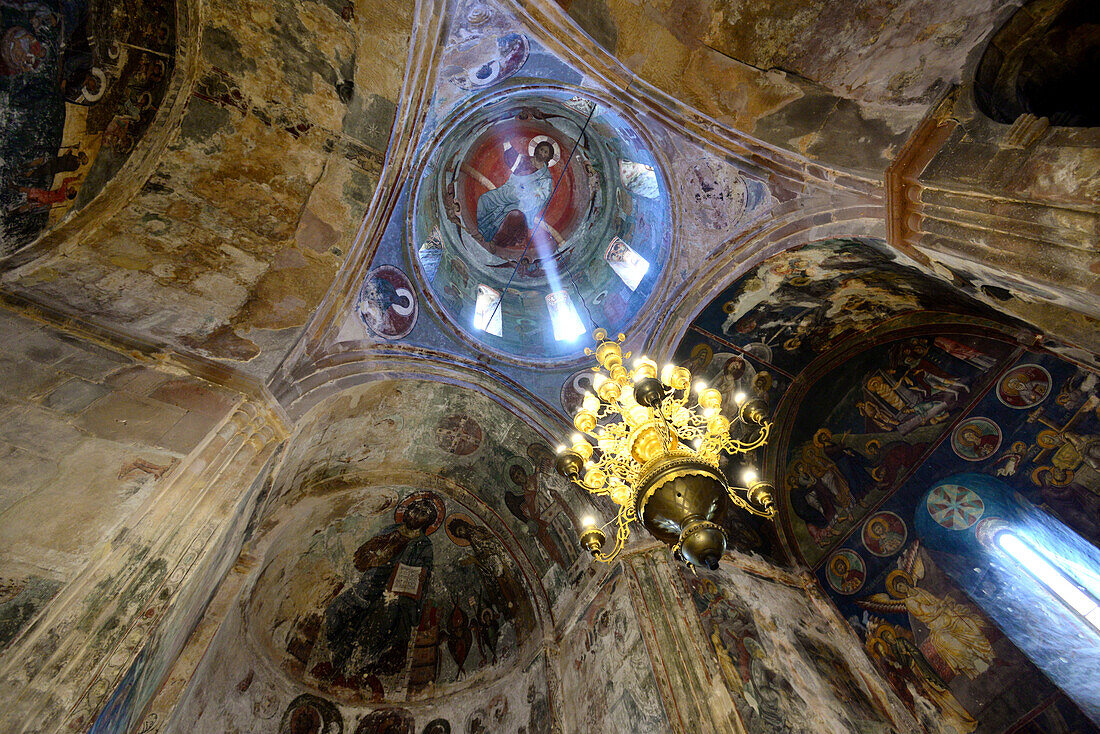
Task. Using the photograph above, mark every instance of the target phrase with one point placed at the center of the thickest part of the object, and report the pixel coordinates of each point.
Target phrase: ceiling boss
(642, 444)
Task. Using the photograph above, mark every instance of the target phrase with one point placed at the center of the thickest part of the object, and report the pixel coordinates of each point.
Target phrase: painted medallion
(387, 305)
(884, 534)
(955, 507)
(1024, 386)
(846, 571)
(976, 439)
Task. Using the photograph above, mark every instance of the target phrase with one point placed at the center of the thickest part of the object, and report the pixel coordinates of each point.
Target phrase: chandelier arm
(768, 511)
(622, 534)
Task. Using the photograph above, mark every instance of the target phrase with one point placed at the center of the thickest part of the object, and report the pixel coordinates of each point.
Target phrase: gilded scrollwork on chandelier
(650, 442)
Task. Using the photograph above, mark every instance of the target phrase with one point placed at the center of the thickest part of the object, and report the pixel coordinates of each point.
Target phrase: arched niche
(783, 325)
(1041, 62)
(392, 594)
(458, 440)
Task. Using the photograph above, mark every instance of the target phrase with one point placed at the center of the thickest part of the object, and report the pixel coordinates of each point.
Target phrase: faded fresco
(800, 303)
(397, 597)
(455, 433)
(235, 689)
(80, 82)
(780, 662)
(607, 678)
(20, 600)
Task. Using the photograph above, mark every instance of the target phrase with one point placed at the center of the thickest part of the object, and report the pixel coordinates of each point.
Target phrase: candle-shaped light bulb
(561, 448)
(700, 386)
(749, 476)
(739, 398)
(588, 521)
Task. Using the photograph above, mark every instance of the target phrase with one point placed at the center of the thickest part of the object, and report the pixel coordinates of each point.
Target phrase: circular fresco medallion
(846, 571)
(573, 391)
(437, 726)
(884, 534)
(954, 507)
(1024, 386)
(310, 713)
(387, 305)
(458, 434)
(488, 61)
(976, 438)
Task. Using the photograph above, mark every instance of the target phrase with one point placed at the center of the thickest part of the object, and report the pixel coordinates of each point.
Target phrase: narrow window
(563, 316)
(487, 310)
(627, 264)
(1082, 601)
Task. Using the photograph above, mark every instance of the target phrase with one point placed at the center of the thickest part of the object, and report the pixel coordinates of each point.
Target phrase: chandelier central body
(653, 450)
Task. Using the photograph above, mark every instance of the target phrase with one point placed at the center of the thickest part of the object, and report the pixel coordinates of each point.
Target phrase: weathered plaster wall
(605, 668)
(840, 83)
(87, 435)
(249, 212)
(785, 658)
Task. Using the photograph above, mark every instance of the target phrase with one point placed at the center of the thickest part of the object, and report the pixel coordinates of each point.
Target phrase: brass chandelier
(645, 446)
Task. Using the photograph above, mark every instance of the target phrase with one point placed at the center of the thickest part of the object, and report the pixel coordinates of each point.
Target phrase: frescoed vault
(884, 381)
(295, 299)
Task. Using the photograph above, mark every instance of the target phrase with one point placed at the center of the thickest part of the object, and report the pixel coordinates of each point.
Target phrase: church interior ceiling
(395, 227)
(886, 383)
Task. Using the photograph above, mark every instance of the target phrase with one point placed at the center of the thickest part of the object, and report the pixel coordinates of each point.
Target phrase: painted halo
(976, 439)
(884, 534)
(845, 571)
(1024, 386)
(440, 509)
(448, 526)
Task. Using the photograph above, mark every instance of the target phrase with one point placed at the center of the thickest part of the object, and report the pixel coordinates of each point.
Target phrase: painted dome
(540, 215)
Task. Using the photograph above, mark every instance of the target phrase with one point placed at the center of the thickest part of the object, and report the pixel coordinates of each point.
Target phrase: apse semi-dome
(540, 214)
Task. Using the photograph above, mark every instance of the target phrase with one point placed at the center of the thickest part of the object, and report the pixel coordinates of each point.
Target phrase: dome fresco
(554, 201)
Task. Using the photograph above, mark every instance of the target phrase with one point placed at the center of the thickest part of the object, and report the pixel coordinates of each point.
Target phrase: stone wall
(121, 474)
(88, 434)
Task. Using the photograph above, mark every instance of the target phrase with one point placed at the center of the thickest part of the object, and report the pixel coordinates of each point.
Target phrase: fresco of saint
(506, 214)
(369, 624)
(957, 631)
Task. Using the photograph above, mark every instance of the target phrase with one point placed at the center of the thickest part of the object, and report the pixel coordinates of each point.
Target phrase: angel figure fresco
(956, 631)
(911, 676)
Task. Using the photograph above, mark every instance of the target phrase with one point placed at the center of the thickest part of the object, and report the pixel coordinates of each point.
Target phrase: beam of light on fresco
(564, 317)
(639, 179)
(487, 310)
(627, 264)
(1083, 603)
